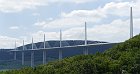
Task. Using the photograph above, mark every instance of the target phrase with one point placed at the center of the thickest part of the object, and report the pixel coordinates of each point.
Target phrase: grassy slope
(123, 58)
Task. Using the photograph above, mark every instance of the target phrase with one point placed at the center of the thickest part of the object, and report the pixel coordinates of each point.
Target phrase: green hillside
(121, 59)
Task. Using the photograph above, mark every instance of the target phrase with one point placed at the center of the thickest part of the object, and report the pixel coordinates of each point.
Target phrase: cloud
(78, 17)
(36, 14)
(12, 6)
(73, 19)
(118, 9)
(9, 42)
(122, 8)
(85, 13)
(106, 32)
(72, 22)
(115, 31)
(17, 6)
(111, 8)
(14, 28)
(60, 23)
(73, 1)
(39, 36)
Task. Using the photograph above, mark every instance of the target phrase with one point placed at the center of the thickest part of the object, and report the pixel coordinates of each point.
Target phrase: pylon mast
(60, 50)
(32, 54)
(44, 52)
(131, 23)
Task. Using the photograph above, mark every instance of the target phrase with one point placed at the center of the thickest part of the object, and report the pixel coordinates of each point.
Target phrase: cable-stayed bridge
(85, 48)
(61, 46)
(71, 48)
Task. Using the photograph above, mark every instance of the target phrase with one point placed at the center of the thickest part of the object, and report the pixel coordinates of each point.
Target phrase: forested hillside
(124, 58)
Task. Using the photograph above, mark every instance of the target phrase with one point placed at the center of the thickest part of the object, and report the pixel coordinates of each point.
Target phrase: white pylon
(44, 52)
(131, 23)
(86, 49)
(32, 54)
(85, 33)
(60, 50)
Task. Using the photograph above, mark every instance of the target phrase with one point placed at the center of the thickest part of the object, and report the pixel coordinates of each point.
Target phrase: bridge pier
(22, 57)
(15, 55)
(86, 49)
(44, 57)
(23, 54)
(44, 51)
(32, 58)
(60, 54)
(60, 50)
(32, 54)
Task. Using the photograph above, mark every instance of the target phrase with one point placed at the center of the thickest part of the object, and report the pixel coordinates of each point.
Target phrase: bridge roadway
(53, 48)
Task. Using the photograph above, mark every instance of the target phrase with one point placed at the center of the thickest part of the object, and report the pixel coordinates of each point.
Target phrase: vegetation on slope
(121, 59)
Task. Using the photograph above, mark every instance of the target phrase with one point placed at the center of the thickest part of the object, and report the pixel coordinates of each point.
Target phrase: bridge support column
(23, 54)
(85, 51)
(32, 58)
(32, 54)
(44, 51)
(44, 57)
(22, 57)
(60, 54)
(15, 55)
(60, 50)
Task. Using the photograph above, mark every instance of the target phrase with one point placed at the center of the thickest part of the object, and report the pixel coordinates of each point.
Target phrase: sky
(107, 20)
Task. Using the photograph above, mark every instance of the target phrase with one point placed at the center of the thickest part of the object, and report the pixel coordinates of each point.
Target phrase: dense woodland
(124, 58)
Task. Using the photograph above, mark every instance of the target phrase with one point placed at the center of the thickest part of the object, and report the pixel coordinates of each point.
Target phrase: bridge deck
(63, 47)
